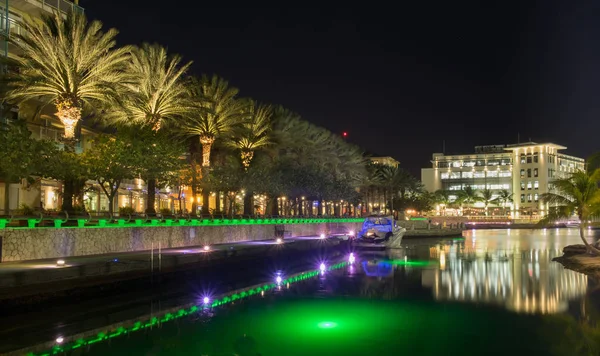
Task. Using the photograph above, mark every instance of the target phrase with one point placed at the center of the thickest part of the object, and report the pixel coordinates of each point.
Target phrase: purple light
(206, 300)
(278, 279)
(351, 258)
(322, 267)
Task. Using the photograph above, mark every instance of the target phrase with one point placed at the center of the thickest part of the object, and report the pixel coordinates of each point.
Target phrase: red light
(345, 134)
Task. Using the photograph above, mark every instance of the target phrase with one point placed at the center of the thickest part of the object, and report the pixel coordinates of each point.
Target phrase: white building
(526, 170)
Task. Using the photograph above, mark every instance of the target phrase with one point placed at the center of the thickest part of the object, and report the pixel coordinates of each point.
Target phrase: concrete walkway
(29, 273)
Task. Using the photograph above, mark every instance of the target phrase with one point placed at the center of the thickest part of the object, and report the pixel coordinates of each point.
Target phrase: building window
(536, 185)
(522, 173)
(454, 175)
(529, 158)
(467, 174)
(456, 164)
(469, 164)
(529, 185)
(522, 185)
(505, 162)
(522, 157)
(522, 198)
(493, 162)
(535, 158)
(550, 173)
(536, 197)
(535, 172)
(529, 198)
(492, 174)
(479, 174)
(504, 174)
(445, 175)
(529, 173)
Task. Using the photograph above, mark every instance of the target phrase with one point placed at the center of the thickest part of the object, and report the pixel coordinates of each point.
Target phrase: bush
(25, 209)
(78, 208)
(126, 210)
(165, 211)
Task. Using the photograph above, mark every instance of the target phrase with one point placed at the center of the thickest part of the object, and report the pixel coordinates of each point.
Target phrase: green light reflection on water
(155, 321)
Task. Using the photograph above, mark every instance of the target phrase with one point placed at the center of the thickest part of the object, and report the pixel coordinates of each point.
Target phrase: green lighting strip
(155, 321)
(105, 223)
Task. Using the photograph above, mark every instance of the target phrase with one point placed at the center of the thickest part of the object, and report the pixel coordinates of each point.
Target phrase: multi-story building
(526, 170)
(386, 161)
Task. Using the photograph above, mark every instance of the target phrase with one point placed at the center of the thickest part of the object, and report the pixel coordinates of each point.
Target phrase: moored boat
(379, 232)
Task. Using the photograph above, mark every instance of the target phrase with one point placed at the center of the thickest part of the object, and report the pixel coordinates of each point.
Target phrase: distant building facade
(387, 161)
(526, 170)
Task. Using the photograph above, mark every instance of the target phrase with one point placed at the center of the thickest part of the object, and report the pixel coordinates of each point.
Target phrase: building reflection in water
(525, 281)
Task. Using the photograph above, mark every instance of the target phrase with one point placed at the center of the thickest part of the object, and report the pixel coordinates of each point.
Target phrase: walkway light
(59, 340)
(279, 240)
(351, 258)
(60, 263)
(322, 236)
(206, 247)
(206, 300)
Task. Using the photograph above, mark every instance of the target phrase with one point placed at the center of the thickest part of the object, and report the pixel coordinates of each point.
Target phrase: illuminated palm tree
(487, 197)
(578, 194)
(254, 131)
(69, 63)
(156, 90)
(442, 197)
(504, 197)
(218, 112)
(468, 196)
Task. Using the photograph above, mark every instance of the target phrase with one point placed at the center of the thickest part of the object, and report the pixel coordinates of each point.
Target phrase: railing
(86, 220)
(60, 5)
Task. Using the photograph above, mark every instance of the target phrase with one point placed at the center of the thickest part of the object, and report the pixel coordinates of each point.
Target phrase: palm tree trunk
(6, 196)
(591, 249)
(67, 198)
(206, 142)
(218, 202)
(151, 196)
(249, 203)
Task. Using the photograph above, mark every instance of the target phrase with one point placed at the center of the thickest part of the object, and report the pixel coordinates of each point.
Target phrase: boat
(379, 232)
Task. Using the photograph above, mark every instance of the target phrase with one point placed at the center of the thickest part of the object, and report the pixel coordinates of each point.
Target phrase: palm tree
(468, 196)
(69, 63)
(487, 197)
(218, 112)
(254, 131)
(504, 197)
(156, 92)
(442, 197)
(577, 194)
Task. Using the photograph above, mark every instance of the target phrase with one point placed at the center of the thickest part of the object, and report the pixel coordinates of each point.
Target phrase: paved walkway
(141, 257)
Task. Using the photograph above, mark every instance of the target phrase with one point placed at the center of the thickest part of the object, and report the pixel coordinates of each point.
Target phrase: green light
(327, 325)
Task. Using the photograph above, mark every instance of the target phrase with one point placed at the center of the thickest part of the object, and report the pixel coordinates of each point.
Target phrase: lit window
(522, 185)
(468, 164)
(492, 174)
(454, 175)
(467, 174)
(522, 157)
(522, 173)
(504, 174)
(536, 197)
(529, 198)
(528, 185)
(536, 185)
(479, 174)
(522, 198)
(445, 175)
(535, 172)
(456, 164)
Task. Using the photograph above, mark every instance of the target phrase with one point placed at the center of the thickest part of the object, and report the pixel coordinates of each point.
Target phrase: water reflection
(513, 270)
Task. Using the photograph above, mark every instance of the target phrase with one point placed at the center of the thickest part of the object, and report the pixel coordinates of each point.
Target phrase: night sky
(398, 78)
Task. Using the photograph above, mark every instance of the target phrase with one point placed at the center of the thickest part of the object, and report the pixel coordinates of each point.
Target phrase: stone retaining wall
(31, 244)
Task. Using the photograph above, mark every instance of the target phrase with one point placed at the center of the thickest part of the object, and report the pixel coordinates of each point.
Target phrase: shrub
(25, 209)
(126, 210)
(165, 211)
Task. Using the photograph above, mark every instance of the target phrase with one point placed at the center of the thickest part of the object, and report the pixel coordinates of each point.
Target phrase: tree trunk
(151, 196)
(67, 199)
(300, 207)
(272, 208)
(591, 249)
(249, 203)
(206, 142)
(6, 196)
(205, 198)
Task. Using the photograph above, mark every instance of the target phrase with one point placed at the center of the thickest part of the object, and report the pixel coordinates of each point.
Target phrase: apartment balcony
(38, 7)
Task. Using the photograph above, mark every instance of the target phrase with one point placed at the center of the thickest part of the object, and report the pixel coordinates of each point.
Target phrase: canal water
(492, 292)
